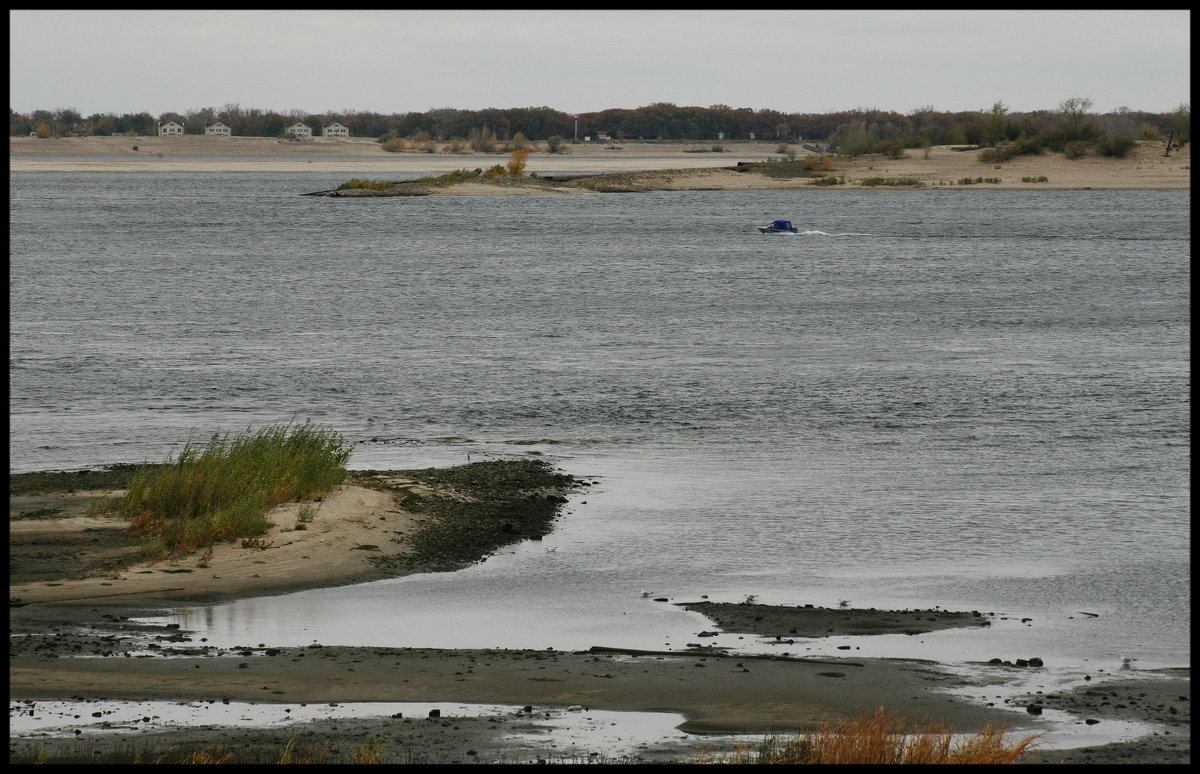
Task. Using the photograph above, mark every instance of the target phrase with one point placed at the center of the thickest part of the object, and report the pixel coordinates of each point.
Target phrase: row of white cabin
(299, 129)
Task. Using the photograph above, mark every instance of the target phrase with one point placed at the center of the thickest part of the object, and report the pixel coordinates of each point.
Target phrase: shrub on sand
(224, 489)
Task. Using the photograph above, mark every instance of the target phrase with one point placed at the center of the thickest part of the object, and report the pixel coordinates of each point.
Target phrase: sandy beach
(76, 588)
(694, 164)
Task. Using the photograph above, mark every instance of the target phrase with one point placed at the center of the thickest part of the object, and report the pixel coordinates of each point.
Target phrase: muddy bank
(807, 621)
(378, 524)
(95, 654)
(84, 650)
(1162, 697)
(469, 511)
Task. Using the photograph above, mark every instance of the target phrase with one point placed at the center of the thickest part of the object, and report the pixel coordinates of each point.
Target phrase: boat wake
(815, 232)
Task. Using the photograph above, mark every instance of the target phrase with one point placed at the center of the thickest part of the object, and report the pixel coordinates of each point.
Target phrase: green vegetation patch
(809, 166)
(371, 185)
(452, 178)
(909, 182)
(223, 490)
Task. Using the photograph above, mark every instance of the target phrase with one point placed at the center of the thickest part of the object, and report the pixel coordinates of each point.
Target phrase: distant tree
(1181, 124)
(19, 124)
(554, 143)
(1075, 114)
(1075, 108)
(516, 163)
(63, 121)
(993, 127)
(893, 149)
(852, 139)
(43, 129)
(196, 119)
(1115, 145)
(1119, 121)
(1148, 131)
(1071, 123)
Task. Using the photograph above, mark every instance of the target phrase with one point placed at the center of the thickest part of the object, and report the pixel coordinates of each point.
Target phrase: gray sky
(582, 61)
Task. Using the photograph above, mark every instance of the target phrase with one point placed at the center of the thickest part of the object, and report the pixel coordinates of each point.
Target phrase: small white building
(299, 129)
(335, 130)
(170, 128)
(219, 129)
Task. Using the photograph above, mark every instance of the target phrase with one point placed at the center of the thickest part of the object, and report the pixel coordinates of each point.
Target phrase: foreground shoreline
(53, 622)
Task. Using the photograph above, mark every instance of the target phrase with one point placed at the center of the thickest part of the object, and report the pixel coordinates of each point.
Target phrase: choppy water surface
(974, 399)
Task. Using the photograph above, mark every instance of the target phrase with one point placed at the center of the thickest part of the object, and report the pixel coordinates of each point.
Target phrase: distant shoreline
(661, 166)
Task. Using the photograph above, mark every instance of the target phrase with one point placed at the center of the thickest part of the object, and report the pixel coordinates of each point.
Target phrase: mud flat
(78, 590)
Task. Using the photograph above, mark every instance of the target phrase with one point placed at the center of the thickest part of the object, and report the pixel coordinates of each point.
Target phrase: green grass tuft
(374, 185)
(223, 490)
(892, 181)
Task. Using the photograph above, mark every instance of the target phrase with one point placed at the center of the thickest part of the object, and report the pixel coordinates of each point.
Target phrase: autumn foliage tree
(516, 163)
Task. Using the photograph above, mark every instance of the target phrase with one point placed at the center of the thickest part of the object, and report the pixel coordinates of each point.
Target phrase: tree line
(850, 132)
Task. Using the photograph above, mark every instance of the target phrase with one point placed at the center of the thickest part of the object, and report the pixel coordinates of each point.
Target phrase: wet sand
(88, 611)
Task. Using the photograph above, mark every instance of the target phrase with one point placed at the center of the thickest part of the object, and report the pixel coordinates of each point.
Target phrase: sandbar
(696, 166)
(76, 593)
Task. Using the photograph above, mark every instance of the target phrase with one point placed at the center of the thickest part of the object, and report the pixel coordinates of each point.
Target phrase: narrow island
(1143, 166)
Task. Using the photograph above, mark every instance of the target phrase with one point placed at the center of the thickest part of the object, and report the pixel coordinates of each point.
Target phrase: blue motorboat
(779, 227)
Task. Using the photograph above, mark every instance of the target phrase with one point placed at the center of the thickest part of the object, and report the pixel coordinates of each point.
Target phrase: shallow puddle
(543, 732)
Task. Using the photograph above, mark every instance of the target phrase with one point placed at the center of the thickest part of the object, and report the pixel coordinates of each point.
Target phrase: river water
(972, 399)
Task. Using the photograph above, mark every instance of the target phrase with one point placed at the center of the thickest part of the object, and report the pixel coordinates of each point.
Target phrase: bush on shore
(223, 490)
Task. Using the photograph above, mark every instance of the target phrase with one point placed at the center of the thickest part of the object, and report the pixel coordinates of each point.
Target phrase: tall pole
(576, 128)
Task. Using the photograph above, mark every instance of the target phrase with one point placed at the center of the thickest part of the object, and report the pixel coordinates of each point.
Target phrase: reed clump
(223, 490)
(881, 738)
(910, 182)
(451, 178)
(373, 185)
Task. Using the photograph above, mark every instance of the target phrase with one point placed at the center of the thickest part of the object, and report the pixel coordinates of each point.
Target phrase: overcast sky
(583, 61)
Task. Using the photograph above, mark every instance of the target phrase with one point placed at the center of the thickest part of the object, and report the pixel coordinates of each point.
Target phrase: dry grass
(207, 755)
(880, 739)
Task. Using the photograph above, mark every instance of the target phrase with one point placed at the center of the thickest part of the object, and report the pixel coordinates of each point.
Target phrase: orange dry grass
(209, 755)
(880, 739)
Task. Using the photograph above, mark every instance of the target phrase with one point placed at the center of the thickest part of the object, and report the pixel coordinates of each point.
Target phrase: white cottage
(335, 130)
(170, 128)
(299, 129)
(219, 129)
